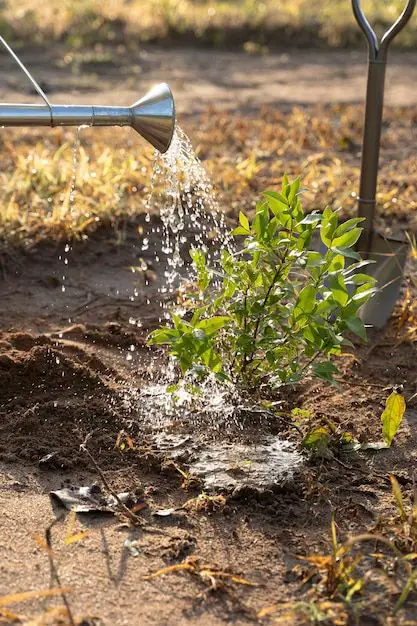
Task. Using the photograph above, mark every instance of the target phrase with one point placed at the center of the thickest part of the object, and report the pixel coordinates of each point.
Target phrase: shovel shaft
(370, 151)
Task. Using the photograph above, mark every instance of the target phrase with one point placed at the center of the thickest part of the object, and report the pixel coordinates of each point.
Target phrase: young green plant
(275, 309)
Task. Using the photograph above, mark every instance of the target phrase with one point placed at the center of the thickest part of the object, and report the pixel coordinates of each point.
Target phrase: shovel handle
(373, 115)
(377, 49)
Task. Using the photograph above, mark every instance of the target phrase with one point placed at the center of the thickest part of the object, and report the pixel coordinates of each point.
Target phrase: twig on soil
(89, 301)
(54, 571)
(132, 517)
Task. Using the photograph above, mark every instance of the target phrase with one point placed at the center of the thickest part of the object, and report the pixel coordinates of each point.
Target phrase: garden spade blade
(389, 255)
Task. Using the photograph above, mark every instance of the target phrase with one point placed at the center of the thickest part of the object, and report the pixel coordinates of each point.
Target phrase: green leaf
(362, 295)
(199, 334)
(306, 300)
(339, 290)
(277, 203)
(163, 336)
(295, 186)
(239, 230)
(244, 222)
(328, 226)
(213, 324)
(356, 325)
(347, 240)
(200, 265)
(311, 218)
(337, 263)
(317, 439)
(361, 279)
(260, 223)
(325, 370)
(298, 413)
(348, 225)
(347, 252)
(212, 360)
(392, 416)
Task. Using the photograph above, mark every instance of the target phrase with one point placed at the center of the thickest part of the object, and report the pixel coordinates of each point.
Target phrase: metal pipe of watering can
(153, 116)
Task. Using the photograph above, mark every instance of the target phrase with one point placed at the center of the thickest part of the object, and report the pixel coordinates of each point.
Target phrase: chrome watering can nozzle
(153, 116)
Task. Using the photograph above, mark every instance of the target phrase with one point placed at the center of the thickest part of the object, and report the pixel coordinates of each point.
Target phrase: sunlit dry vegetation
(246, 22)
(109, 175)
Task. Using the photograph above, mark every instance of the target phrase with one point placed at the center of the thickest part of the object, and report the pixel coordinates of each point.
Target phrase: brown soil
(61, 380)
(64, 374)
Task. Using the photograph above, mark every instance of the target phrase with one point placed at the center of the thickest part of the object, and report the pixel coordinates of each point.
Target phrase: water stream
(181, 195)
(69, 203)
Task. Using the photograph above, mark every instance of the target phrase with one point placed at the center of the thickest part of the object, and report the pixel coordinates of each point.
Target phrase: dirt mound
(51, 397)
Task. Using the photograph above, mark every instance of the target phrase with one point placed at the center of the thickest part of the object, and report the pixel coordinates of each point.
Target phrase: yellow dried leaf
(40, 541)
(76, 537)
(392, 416)
(319, 560)
(396, 490)
(30, 595)
(169, 570)
(268, 610)
(8, 617)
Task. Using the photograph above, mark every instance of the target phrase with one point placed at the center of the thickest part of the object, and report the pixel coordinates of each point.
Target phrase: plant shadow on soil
(62, 380)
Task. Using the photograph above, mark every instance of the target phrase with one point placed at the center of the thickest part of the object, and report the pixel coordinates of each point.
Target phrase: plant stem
(248, 360)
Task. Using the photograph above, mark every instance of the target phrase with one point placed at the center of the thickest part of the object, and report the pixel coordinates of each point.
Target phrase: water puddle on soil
(233, 466)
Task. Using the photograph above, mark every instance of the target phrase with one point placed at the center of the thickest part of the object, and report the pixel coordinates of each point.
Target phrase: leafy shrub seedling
(274, 310)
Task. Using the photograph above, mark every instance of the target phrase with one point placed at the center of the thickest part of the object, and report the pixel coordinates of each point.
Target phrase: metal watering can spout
(153, 116)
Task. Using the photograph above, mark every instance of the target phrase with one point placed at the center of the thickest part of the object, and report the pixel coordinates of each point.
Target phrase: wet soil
(68, 370)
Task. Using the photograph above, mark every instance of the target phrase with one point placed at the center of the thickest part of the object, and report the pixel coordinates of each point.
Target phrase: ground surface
(64, 373)
(202, 78)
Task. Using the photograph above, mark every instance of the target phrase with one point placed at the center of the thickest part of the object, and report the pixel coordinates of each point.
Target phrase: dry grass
(243, 155)
(272, 23)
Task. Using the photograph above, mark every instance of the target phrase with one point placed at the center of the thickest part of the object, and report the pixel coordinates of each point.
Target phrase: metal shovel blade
(389, 256)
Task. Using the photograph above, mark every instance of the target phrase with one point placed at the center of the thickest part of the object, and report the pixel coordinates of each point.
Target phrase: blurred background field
(83, 50)
(243, 155)
(252, 24)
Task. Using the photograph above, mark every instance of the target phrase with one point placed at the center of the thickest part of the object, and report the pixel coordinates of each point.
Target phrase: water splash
(215, 404)
(183, 195)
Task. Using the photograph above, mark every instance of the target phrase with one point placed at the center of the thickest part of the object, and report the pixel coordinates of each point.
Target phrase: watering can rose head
(275, 310)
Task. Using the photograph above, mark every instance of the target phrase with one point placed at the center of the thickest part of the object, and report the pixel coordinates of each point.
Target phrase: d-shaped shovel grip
(373, 114)
(377, 49)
